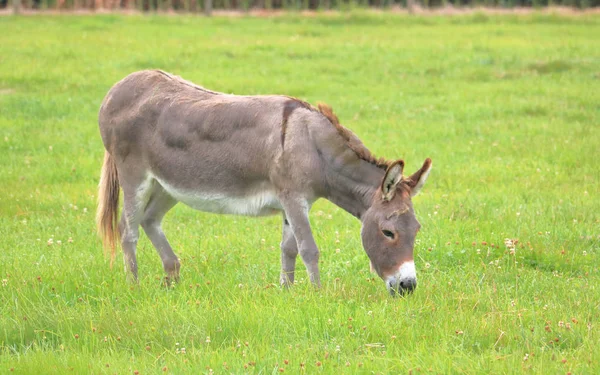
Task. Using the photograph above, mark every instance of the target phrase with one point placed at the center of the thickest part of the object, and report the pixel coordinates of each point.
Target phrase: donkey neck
(352, 186)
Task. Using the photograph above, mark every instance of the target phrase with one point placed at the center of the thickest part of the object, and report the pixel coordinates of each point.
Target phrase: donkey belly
(259, 202)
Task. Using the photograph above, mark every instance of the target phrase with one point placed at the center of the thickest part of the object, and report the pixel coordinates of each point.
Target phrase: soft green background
(506, 106)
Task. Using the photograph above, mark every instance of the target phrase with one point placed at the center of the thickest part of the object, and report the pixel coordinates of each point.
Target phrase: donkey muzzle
(404, 281)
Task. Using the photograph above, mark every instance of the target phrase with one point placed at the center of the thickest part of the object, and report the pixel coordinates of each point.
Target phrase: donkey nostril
(408, 285)
(401, 287)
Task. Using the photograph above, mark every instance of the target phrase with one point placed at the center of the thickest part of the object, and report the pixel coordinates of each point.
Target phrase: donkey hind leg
(158, 205)
(289, 251)
(133, 204)
(296, 212)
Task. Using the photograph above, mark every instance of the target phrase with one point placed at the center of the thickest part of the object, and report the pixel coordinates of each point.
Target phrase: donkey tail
(108, 206)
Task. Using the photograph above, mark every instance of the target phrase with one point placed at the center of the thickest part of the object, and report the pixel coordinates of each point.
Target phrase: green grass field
(506, 106)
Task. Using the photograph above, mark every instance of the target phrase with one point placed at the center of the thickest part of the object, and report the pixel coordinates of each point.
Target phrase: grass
(506, 106)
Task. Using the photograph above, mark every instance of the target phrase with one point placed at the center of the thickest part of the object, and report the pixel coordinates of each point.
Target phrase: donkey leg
(289, 251)
(129, 230)
(296, 211)
(136, 187)
(160, 203)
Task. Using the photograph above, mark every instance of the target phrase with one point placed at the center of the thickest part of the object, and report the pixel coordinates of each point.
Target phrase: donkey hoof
(170, 281)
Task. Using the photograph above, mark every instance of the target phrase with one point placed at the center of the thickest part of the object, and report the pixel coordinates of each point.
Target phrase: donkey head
(389, 227)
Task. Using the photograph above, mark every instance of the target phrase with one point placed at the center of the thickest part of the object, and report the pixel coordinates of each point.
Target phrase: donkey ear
(417, 180)
(392, 178)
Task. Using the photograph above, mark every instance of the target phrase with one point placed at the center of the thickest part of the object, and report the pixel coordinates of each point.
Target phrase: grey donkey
(168, 140)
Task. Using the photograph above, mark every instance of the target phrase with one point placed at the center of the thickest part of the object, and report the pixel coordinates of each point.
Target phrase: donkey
(168, 140)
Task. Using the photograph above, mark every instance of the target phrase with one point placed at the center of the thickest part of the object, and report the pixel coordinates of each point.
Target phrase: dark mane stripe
(351, 139)
(288, 107)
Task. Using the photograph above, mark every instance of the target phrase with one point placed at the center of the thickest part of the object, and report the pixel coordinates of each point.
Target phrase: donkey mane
(186, 82)
(351, 139)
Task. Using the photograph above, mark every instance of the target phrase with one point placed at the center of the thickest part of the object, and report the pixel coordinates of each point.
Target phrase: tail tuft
(108, 206)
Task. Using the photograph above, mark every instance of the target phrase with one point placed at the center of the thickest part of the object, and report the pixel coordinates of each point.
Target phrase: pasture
(507, 258)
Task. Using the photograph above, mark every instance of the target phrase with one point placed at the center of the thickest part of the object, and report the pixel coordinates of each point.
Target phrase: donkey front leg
(289, 252)
(296, 212)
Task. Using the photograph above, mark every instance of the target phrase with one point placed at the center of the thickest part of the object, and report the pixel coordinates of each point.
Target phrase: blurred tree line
(207, 5)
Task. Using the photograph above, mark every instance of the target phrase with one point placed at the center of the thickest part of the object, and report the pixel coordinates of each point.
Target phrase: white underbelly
(254, 203)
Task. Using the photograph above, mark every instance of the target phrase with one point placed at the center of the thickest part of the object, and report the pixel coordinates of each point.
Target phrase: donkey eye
(388, 234)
